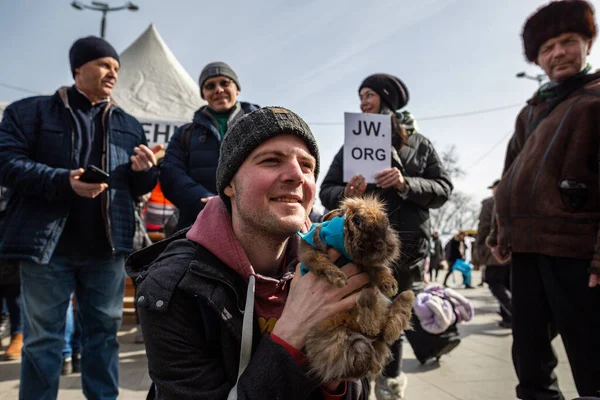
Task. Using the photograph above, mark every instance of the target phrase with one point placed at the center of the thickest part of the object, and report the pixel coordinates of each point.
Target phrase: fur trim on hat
(554, 19)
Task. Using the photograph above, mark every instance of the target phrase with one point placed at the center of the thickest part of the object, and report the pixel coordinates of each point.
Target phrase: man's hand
(312, 300)
(502, 256)
(83, 189)
(594, 280)
(391, 177)
(206, 199)
(143, 159)
(356, 186)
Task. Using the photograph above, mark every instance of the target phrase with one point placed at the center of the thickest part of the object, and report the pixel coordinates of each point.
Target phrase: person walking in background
(548, 208)
(455, 250)
(415, 183)
(70, 234)
(497, 275)
(72, 348)
(187, 174)
(10, 294)
(436, 255)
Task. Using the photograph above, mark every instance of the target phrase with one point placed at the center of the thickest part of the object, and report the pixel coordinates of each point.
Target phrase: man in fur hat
(548, 207)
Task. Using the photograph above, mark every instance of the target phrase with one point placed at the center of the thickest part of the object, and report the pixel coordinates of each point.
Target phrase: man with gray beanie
(548, 208)
(224, 309)
(187, 174)
(70, 230)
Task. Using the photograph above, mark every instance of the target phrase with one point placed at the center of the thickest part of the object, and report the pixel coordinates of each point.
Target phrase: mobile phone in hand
(94, 174)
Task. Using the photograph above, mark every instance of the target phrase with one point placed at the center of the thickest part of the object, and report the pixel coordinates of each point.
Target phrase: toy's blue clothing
(332, 234)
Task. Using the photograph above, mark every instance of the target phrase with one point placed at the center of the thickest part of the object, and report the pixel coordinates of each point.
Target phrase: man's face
(97, 78)
(273, 191)
(435, 235)
(563, 56)
(220, 93)
(370, 102)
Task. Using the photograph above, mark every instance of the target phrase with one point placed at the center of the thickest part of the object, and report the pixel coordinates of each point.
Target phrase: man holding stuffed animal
(224, 309)
(548, 208)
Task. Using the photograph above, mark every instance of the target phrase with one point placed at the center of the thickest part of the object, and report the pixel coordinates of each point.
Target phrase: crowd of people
(223, 309)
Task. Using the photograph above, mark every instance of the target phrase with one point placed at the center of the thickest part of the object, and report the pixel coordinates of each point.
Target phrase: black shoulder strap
(186, 138)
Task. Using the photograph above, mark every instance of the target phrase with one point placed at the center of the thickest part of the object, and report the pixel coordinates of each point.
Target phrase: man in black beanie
(548, 208)
(70, 230)
(187, 174)
(199, 337)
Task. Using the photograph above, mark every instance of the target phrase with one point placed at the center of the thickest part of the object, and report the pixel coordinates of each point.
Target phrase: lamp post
(104, 8)
(539, 78)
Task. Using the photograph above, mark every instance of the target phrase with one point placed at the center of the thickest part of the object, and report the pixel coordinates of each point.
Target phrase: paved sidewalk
(480, 368)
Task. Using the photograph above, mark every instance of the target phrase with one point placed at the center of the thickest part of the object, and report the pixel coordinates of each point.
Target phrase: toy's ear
(333, 213)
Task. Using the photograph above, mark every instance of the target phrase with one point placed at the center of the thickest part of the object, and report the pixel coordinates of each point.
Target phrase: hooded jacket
(192, 295)
(430, 187)
(188, 171)
(37, 139)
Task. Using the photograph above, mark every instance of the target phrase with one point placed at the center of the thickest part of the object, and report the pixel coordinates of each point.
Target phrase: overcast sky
(455, 56)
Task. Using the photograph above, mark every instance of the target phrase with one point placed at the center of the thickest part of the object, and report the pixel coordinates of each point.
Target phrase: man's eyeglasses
(212, 85)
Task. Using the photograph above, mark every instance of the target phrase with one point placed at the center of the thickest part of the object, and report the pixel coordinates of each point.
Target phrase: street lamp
(104, 7)
(539, 78)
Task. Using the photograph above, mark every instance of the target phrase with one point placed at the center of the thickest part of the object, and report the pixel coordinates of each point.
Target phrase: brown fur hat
(554, 19)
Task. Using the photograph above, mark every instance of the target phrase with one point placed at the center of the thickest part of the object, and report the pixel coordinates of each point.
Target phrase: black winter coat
(188, 171)
(190, 306)
(430, 187)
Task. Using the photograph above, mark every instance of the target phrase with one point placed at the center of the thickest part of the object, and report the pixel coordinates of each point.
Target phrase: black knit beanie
(554, 19)
(217, 68)
(90, 48)
(249, 132)
(393, 91)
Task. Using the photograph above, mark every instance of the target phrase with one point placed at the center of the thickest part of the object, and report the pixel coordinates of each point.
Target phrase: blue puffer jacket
(36, 149)
(188, 171)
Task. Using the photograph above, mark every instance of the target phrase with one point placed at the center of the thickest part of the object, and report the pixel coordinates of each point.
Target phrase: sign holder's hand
(143, 160)
(391, 177)
(356, 187)
(83, 189)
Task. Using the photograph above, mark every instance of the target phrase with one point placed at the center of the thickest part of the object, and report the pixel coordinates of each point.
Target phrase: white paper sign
(159, 132)
(367, 145)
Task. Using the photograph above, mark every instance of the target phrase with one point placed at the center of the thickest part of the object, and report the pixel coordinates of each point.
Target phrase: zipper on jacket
(106, 167)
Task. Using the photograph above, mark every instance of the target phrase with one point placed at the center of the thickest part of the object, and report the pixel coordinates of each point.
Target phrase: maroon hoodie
(214, 231)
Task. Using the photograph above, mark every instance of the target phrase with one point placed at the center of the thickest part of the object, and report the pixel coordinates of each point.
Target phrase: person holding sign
(412, 182)
(188, 172)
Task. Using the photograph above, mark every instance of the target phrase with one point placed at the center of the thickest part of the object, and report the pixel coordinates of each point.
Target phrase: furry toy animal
(354, 344)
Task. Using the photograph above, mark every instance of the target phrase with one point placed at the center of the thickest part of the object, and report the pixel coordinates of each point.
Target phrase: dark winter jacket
(548, 201)
(189, 169)
(430, 187)
(436, 253)
(37, 136)
(190, 306)
(484, 254)
(455, 249)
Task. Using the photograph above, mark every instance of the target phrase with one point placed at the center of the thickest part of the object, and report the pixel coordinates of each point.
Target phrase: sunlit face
(563, 56)
(273, 190)
(220, 92)
(97, 78)
(370, 102)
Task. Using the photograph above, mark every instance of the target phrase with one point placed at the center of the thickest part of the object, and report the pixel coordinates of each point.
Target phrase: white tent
(155, 88)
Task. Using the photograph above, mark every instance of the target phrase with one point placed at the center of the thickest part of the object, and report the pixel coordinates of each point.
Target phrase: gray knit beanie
(249, 132)
(217, 68)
